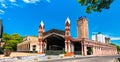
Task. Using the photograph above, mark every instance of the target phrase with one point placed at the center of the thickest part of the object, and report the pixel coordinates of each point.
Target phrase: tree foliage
(11, 41)
(6, 37)
(95, 5)
(118, 47)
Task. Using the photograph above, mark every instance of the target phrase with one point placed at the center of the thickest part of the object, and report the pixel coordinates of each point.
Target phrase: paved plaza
(17, 54)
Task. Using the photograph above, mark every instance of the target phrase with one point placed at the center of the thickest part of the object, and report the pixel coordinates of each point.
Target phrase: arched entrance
(55, 44)
(77, 48)
(89, 50)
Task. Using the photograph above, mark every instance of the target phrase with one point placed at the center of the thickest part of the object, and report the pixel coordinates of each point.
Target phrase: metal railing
(53, 52)
(78, 52)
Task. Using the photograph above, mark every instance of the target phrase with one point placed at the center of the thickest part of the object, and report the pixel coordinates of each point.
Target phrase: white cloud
(3, 5)
(112, 36)
(15, 4)
(12, 1)
(26, 1)
(1, 0)
(107, 36)
(2, 12)
(115, 38)
(48, 1)
(31, 1)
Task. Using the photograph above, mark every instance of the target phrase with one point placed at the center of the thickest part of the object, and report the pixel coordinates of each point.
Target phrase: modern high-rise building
(99, 37)
(82, 27)
(94, 37)
(1, 28)
(107, 40)
(1, 31)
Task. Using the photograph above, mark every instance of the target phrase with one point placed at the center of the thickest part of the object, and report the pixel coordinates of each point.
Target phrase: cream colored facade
(1, 44)
(29, 43)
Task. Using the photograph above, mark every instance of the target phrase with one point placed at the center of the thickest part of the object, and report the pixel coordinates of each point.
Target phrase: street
(87, 59)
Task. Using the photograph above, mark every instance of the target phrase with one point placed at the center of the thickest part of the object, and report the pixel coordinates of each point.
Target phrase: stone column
(101, 50)
(72, 48)
(93, 50)
(96, 50)
(104, 53)
(84, 49)
(67, 46)
(115, 50)
(40, 38)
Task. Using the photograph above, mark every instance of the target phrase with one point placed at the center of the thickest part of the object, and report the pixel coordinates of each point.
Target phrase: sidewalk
(35, 58)
(43, 57)
(18, 54)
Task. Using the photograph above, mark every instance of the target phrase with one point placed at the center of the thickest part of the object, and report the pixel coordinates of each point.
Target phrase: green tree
(6, 37)
(16, 37)
(11, 41)
(95, 5)
(118, 47)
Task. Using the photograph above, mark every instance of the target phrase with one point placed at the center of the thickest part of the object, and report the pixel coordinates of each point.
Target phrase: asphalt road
(87, 59)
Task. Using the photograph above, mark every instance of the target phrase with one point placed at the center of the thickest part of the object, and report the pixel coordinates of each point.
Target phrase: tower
(68, 44)
(40, 37)
(82, 28)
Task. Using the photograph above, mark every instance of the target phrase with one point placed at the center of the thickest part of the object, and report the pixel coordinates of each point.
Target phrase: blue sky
(24, 17)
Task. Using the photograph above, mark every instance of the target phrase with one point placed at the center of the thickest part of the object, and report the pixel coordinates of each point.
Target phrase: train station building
(56, 41)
